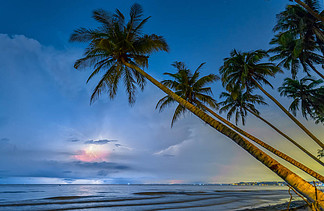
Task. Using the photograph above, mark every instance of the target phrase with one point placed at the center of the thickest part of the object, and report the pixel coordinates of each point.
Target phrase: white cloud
(174, 149)
(45, 102)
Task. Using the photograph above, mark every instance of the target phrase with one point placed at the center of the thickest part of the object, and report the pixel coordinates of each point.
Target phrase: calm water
(138, 197)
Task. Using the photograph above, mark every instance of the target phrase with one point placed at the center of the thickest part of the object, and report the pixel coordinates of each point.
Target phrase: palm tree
(318, 102)
(112, 44)
(306, 96)
(245, 71)
(299, 21)
(193, 89)
(127, 48)
(294, 53)
(190, 87)
(243, 103)
(311, 10)
(306, 29)
(240, 104)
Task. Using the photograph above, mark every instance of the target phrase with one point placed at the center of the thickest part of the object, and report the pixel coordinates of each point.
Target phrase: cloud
(4, 140)
(101, 165)
(91, 155)
(61, 169)
(47, 101)
(74, 140)
(173, 150)
(99, 142)
(102, 173)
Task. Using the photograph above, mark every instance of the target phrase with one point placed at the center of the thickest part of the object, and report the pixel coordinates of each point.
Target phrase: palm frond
(164, 102)
(190, 87)
(103, 84)
(112, 44)
(180, 110)
(103, 17)
(82, 35)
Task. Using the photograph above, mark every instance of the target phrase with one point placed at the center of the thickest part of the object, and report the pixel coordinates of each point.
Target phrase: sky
(49, 132)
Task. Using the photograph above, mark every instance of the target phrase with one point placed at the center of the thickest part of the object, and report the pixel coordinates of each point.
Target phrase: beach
(144, 197)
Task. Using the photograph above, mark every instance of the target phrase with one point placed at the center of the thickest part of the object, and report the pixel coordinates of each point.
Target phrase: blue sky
(49, 133)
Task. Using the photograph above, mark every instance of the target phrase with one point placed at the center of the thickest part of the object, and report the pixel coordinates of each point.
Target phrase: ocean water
(140, 197)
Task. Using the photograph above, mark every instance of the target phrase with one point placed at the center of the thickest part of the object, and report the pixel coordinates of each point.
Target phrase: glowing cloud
(176, 181)
(92, 154)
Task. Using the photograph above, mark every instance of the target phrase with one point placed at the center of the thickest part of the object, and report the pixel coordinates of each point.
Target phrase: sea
(140, 197)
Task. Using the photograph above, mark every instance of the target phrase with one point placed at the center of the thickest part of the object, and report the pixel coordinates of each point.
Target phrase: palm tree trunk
(300, 185)
(287, 137)
(290, 115)
(268, 147)
(316, 71)
(312, 12)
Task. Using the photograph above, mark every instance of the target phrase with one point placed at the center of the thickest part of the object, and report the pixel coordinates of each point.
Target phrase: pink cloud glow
(92, 154)
(175, 181)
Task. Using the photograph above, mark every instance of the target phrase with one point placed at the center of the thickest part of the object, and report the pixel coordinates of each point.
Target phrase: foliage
(295, 52)
(116, 41)
(301, 23)
(239, 104)
(305, 96)
(299, 40)
(190, 86)
(242, 69)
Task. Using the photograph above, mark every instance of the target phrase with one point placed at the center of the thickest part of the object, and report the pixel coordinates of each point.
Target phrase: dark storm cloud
(100, 142)
(71, 170)
(102, 173)
(69, 180)
(101, 165)
(4, 140)
(74, 140)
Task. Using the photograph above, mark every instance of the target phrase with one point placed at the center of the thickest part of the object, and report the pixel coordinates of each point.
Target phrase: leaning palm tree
(114, 43)
(193, 89)
(240, 104)
(190, 87)
(244, 103)
(310, 9)
(317, 101)
(117, 46)
(306, 95)
(294, 53)
(300, 22)
(245, 71)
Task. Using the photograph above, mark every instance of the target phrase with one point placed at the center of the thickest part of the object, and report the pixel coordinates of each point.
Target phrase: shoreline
(294, 206)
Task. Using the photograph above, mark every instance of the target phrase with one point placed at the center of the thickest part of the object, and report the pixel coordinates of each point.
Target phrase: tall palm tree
(294, 53)
(126, 47)
(318, 102)
(299, 21)
(304, 26)
(243, 103)
(240, 104)
(246, 71)
(306, 95)
(190, 87)
(236, 72)
(112, 44)
(193, 89)
(311, 10)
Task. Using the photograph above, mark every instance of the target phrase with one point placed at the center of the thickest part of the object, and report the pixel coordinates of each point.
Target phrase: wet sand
(294, 206)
